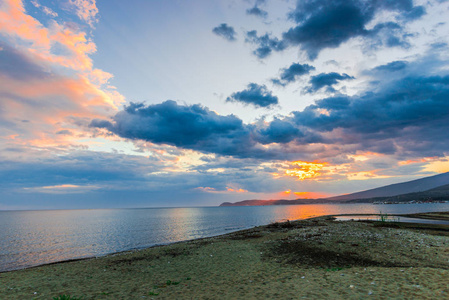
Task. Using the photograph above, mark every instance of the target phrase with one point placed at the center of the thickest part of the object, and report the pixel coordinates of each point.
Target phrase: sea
(31, 238)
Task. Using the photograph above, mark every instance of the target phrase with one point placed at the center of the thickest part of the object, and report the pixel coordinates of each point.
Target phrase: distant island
(428, 189)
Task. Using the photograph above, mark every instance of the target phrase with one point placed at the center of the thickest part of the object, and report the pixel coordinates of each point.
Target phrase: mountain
(436, 194)
(276, 202)
(418, 185)
(433, 188)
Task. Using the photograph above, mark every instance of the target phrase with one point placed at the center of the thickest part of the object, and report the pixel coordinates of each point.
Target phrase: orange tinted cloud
(440, 165)
(62, 189)
(304, 170)
(236, 190)
(364, 175)
(414, 161)
(14, 20)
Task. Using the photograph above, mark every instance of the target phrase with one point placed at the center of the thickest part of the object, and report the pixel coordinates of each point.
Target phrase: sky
(110, 104)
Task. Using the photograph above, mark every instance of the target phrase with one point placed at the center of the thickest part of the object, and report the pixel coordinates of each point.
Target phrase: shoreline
(312, 258)
(424, 216)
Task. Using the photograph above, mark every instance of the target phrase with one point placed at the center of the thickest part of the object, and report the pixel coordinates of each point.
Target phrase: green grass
(334, 269)
(383, 218)
(66, 297)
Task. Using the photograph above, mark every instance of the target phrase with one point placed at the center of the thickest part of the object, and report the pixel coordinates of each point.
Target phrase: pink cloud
(43, 91)
(15, 22)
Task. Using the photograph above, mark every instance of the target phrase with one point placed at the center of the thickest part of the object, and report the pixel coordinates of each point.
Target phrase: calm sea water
(30, 238)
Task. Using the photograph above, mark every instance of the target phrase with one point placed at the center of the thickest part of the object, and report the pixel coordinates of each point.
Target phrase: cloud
(256, 11)
(399, 115)
(48, 11)
(326, 80)
(387, 34)
(62, 189)
(257, 95)
(292, 73)
(57, 43)
(265, 43)
(393, 66)
(326, 24)
(322, 24)
(86, 10)
(278, 131)
(225, 31)
(47, 78)
(189, 127)
(19, 65)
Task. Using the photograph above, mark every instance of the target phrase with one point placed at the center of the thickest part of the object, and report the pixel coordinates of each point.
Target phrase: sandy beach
(311, 259)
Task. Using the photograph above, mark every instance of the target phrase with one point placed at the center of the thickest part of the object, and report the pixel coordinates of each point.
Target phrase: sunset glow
(98, 100)
(304, 170)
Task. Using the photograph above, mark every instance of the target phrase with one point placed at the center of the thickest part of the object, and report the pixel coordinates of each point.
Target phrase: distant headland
(428, 189)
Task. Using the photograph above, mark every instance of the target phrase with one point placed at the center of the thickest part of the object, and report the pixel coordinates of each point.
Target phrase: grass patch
(336, 269)
(383, 218)
(306, 255)
(66, 297)
(281, 225)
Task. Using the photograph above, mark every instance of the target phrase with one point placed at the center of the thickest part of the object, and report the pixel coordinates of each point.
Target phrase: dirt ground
(311, 259)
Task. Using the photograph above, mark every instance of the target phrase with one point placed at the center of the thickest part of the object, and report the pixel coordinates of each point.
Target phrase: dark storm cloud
(225, 31)
(322, 24)
(405, 114)
(254, 94)
(173, 124)
(326, 80)
(326, 24)
(279, 131)
(189, 127)
(292, 73)
(265, 43)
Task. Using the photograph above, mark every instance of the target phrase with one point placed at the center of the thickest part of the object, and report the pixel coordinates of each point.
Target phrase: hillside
(428, 188)
(436, 194)
(418, 185)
